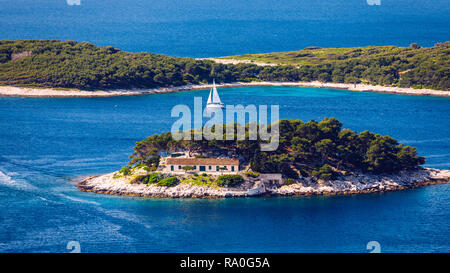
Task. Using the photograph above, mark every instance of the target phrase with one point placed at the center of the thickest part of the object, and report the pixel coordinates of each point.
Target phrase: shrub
(169, 182)
(138, 179)
(152, 178)
(229, 180)
(125, 170)
(325, 172)
(252, 174)
(188, 168)
(147, 179)
(289, 181)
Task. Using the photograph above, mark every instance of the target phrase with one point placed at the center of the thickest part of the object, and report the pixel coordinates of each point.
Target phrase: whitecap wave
(8, 181)
(78, 200)
(415, 141)
(437, 156)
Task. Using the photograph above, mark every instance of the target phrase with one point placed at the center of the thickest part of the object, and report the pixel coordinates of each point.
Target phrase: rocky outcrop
(353, 184)
(366, 183)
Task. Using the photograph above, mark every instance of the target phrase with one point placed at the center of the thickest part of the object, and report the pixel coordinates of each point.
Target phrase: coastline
(10, 91)
(348, 185)
(235, 61)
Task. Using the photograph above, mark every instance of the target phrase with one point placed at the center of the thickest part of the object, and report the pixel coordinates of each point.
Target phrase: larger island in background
(312, 158)
(69, 68)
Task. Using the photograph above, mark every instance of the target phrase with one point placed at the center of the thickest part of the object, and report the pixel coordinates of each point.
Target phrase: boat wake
(78, 200)
(8, 181)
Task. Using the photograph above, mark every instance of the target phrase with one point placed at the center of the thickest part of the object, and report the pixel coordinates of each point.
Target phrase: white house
(202, 165)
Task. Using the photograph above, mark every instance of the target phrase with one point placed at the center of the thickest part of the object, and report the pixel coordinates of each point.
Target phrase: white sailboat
(214, 99)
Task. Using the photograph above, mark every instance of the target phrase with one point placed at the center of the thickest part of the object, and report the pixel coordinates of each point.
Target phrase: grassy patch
(200, 180)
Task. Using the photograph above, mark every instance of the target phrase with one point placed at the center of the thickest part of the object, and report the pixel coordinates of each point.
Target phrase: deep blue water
(204, 28)
(46, 142)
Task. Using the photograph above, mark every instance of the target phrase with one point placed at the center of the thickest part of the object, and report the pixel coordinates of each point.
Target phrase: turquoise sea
(46, 142)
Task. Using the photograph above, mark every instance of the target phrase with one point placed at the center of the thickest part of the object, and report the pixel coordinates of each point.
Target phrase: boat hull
(215, 106)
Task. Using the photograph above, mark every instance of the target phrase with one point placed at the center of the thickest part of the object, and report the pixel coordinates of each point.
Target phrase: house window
(210, 167)
(217, 168)
(179, 167)
(202, 168)
(171, 168)
(232, 168)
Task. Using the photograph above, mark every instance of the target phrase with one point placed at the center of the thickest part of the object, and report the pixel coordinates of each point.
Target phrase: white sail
(215, 98)
(209, 98)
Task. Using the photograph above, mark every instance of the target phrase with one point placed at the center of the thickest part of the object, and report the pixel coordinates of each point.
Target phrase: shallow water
(46, 142)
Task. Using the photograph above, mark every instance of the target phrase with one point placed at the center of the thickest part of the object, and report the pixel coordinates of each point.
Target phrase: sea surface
(204, 28)
(45, 143)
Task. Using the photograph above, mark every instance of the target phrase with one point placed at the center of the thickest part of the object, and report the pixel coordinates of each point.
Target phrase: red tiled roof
(202, 161)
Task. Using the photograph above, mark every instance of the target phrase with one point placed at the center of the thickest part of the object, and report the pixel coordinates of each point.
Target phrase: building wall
(213, 169)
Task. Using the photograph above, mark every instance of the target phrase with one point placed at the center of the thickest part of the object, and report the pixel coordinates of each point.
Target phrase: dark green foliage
(147, 179)
(325, 172)
(169, 182)
(152, 178)
(125, 170)
(229, 180)
(303, 148)
(289, 181)
(407, 156)
(252, 174)
(188, 168)
(69, 64)
(85, 66)
(138, 179)
(153, 161)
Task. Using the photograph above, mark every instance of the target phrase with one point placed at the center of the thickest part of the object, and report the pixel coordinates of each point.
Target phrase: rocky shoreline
(353, 184)
(10, 91)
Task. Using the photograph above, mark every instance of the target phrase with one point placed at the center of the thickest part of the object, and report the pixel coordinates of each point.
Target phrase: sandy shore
(49, 92)
(234, 61)
(354, 184)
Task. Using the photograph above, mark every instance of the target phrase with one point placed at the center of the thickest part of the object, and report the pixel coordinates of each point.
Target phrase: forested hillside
(69, 64)
(413, 66)
(320, 149)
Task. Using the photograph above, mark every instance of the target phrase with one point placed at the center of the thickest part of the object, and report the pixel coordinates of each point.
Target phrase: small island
(313, 158)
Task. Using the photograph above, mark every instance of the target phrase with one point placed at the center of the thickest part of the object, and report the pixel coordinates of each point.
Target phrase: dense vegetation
(156, 179)
(319, 149)
(69, 64)
(229, 180)
(413, 66)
